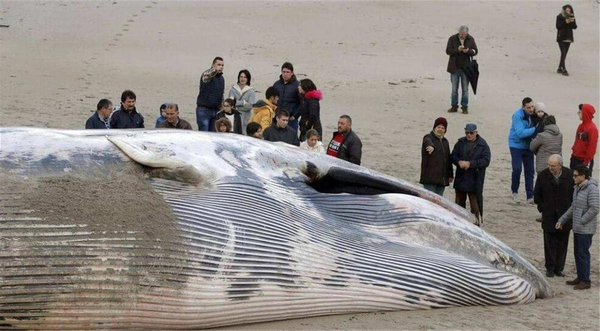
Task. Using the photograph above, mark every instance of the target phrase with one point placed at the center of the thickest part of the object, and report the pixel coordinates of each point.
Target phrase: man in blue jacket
(210, 96)
(289, 98)
(519, 137)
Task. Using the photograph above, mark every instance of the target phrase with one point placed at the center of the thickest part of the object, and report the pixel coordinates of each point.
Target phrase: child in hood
(162, 116)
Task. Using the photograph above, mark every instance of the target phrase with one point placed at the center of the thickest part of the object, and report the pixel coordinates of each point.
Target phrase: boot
(453, 109)
(582, 286)
(575, 281)
(465, 109)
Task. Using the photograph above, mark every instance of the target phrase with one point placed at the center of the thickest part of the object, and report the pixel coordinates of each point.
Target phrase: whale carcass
(163, 229)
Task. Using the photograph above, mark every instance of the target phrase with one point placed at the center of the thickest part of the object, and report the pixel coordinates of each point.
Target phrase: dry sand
(59, 58)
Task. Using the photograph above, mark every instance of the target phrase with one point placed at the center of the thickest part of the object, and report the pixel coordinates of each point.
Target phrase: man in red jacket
(586, 138)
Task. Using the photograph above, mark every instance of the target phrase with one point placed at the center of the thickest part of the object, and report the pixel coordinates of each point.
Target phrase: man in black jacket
(281, 131)
(345, 144)
(436, 166)
(553, 195)
(127, 117)
(289, 98)
(471, 156)
(100, 119)
(460, 49)
(210, 96)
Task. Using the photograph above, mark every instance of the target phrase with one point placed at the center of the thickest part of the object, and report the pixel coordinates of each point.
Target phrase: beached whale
(162, 229)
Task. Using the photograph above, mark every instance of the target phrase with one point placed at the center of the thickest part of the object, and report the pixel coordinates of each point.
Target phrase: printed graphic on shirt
(334, 145)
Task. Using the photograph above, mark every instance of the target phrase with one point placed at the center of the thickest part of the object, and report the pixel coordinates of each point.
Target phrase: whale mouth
(338, 180)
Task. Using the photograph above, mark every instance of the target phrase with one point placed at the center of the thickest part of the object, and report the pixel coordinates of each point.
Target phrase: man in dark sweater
(280, 131)
(173, 121)
(460, 49)
(100, 118)
(210, 97)
(127, 117)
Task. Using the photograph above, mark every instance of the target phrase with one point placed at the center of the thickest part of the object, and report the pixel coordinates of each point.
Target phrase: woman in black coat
(310, 110)
(436, 166)
(565, 24)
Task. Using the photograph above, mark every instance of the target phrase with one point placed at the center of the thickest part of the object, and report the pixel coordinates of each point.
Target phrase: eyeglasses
(470, 132)
(575, 176)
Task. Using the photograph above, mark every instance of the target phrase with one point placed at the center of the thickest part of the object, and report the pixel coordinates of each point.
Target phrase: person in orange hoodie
(586, 138)
(264, 110)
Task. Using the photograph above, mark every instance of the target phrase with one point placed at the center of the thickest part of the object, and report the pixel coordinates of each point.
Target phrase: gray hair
(557, 157)
(463, 28)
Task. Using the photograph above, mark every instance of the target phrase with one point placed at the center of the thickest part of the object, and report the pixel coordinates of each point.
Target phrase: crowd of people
(290, 113)
(566, 197)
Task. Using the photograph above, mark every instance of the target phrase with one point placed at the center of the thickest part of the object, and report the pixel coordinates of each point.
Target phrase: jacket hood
(264, 103)
(293, 79)
(587, 112)
(260, 103)
(160, 112)
(316, 94)
(552, 129)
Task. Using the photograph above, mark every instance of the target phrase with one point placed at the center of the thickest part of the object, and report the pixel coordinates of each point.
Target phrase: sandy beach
(383, 63)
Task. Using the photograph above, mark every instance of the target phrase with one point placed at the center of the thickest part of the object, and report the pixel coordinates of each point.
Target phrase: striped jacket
(584, 209)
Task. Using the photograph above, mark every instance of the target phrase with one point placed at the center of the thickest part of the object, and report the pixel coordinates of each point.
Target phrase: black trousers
(555, 250)
(575, 162)
(564, 49)
(461, 200)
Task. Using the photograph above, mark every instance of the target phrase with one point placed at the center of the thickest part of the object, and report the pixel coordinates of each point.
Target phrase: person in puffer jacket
(310, 110)
(584, 215)
(546, 143)
(586, 138)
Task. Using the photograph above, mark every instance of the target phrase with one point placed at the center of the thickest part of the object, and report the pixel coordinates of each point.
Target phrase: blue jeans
(437, 189)
(459, 75)
(583, 242)
(206, 119)
(522, 158)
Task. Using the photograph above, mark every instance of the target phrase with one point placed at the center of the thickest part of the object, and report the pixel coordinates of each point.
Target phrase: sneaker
(515, 198)
(566, 73)
(582, 286)
(453, 109)
(575, 281)
(549, 274)
(530, 201)
(559, 273)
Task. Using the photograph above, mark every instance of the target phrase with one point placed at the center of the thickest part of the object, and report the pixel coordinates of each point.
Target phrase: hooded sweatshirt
(262, 113)
(545, 144)
(586, 138)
